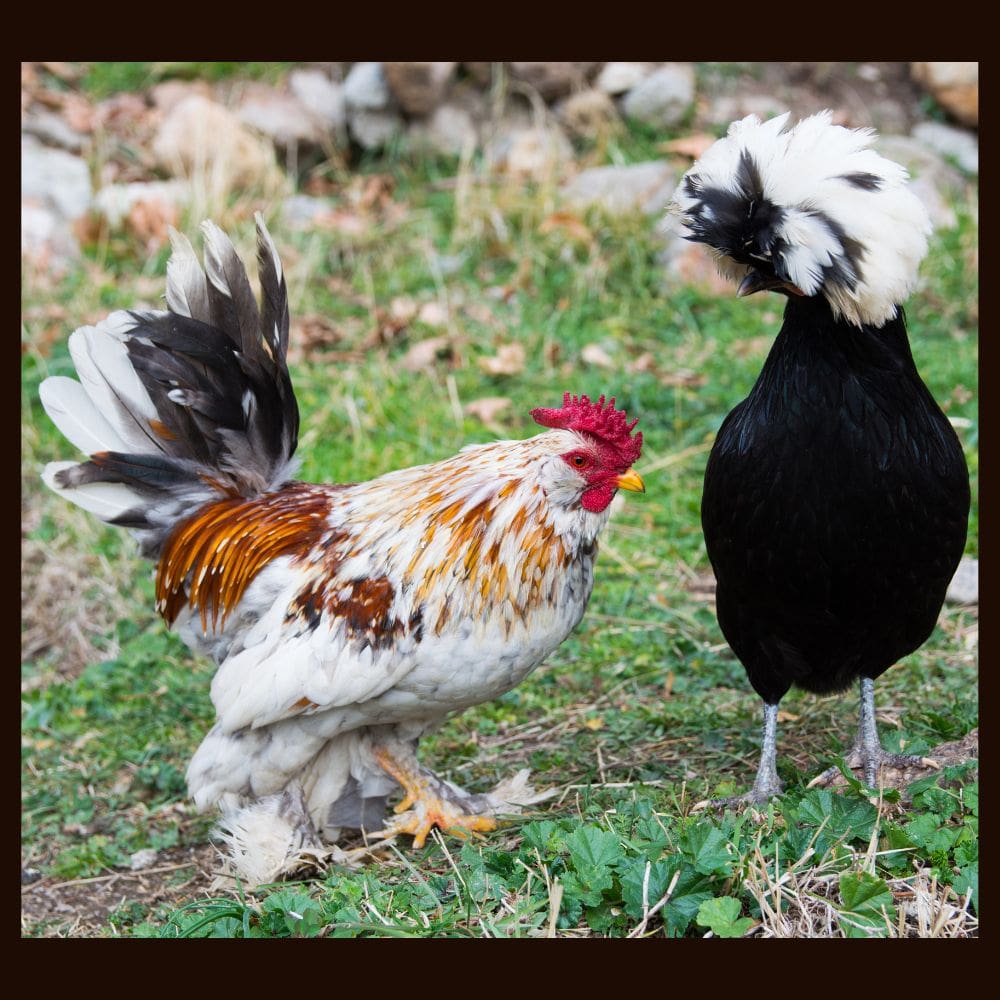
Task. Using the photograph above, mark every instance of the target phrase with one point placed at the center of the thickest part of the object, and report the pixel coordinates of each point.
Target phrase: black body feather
(835, 507)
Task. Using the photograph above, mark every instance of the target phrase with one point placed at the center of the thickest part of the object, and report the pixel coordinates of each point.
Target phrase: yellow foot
(419, 823)
(424, 805)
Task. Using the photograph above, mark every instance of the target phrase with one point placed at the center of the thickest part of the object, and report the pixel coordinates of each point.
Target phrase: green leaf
(689, 892)
(708, 848)
(968, 878)
(867, 905)
(721, 916)
(591, 848)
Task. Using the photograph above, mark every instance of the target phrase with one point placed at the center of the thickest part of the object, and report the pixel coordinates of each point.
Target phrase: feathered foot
(867, 752)
(767, 783)
(273, 838)
(430, 801)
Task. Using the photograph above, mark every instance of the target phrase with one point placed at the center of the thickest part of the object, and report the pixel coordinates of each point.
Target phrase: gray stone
(620, 77)
(201, 137)
(964, 586)
(589, 113)
(646, 187)
(55, 179)
(664, 97)
(53, 130)
(373, 129)
(302, 211)
(942, 215)
(923, 162)
(448, 131)
(321, 97)
(366, 87)
(115, 201)
(532, 152)
(731, 107)
(283, 118)
(46, 237)
(418, 87)
(954, 143)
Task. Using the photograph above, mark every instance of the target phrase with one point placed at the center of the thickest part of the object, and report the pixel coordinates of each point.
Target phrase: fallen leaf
(570, 225)
(682, 378)
(486, 410)
(689, 145)
(433, 314)
(594, 724)
(784, 716)
(509, 360)
(149, 220)
(644, 363)
(424, 353)
(594, 354)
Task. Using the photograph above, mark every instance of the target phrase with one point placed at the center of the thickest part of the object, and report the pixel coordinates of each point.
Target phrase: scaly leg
(867, 752)
(429, 801)
(767, 782)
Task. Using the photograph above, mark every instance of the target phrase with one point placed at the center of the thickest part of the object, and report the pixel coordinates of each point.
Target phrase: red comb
(609, 425)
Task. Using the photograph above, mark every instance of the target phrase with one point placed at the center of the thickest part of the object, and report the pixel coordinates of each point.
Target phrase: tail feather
(74, 413)
(176, 407)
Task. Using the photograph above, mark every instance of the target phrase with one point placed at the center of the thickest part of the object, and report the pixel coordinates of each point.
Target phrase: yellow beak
(631, 480)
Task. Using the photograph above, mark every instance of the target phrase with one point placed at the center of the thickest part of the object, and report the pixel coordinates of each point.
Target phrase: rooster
(836, 495)
(346, 620)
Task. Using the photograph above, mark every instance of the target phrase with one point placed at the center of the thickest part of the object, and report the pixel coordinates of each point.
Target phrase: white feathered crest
(815, 203)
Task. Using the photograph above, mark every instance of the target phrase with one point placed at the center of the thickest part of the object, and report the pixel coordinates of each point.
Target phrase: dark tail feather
(178, 406)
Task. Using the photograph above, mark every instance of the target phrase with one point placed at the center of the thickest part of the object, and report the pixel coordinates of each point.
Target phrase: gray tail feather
(178, 407)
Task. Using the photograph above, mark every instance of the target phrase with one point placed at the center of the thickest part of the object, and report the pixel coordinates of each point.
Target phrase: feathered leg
(431, 801)
(867, 752)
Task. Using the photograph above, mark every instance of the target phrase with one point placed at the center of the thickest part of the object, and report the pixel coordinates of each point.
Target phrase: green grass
(640, 714)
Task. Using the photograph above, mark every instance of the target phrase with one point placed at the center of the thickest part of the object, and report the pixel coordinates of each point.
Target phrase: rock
(447, 132)
(167, 95)
(953, 143)
(321, 97)
(954, 85)
(55, 179)
(366, 87)
(664, 97)
(964, 586)
(942, 215)
(116, 201)
(646, 187)
(922, 161)
(302, 211)
(53, 130)
(553, 79)
(283, 118)
(729, 108)
(143, 859)
(374, 129)
(620, 77)
(588, 113)
(531, 152)
(200, 137)
(418, 87)
(47, 240)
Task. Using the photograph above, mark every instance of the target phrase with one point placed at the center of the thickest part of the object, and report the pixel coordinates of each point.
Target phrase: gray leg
(867, 752)
(767, 782)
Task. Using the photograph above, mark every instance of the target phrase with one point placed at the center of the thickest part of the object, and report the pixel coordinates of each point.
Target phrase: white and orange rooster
(345, 620)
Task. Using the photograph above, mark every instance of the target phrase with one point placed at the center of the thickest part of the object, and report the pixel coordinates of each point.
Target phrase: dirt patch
(82, 907)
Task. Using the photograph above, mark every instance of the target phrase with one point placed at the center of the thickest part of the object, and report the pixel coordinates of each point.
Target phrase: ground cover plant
(445, 303)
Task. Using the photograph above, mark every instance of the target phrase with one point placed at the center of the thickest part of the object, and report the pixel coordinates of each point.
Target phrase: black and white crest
(814, 207)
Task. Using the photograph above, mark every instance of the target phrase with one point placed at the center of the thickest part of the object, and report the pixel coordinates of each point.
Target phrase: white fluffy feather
(805, 171)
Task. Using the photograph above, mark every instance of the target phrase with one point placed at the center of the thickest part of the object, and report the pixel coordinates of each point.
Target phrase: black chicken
(836, 495)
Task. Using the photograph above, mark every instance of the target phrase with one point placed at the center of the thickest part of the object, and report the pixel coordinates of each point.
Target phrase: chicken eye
(579, 461)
